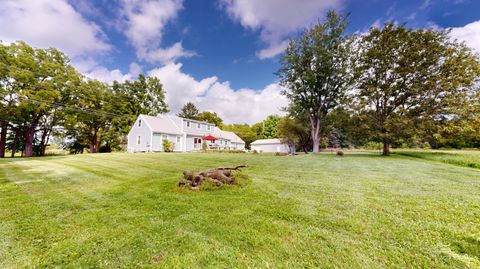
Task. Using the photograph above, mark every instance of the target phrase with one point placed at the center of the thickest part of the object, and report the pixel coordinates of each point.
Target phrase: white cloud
(143, 23)
(277, 19)
(273, 50)
(50, 23)
(470, 34)
(209, 94)
(92, 69)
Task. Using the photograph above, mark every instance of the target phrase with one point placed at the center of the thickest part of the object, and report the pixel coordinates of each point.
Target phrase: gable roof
(267, 141)
(161, 124)
(228, 135)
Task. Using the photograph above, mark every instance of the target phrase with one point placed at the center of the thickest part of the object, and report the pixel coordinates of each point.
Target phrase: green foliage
(246, 132)
(410, 78)
(189, 111)
(210, 117)
(269, 127)
(168, 146)
(204, 145)
(373, 146)
(316, 71)
(292, 131)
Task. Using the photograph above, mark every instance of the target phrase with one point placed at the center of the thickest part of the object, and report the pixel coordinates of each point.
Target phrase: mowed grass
(467, 158)
(307, 211)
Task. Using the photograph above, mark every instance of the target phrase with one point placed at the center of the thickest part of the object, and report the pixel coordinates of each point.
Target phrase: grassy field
(462, 158)
(124, 210)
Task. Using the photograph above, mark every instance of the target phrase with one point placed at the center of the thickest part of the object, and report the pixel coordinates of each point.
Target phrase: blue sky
(219, 54)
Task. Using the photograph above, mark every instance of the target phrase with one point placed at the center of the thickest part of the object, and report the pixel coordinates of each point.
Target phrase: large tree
(210, 117)
(406, 76)
(189, 111)
(4, 100)
(315, 70)
(89, 120)
(40, 81)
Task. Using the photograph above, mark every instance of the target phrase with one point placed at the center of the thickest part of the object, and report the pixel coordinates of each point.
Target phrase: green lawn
(462, 158)
(124, 210)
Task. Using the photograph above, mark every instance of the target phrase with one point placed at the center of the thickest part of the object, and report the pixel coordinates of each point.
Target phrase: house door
(197, 143)
(157, 142)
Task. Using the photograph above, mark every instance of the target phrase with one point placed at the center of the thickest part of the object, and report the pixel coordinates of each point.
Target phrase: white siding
(158, 138)
(270, 148)
(145, 137)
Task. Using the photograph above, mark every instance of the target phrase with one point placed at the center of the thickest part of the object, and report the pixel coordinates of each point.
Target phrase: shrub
(204, 145)
(168, 146)
(255, 151)
(339, 153)
(373, 146)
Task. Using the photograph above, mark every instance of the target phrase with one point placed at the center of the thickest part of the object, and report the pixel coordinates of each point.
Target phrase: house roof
(162, 124)
(228, 135)
(172, 125)
(267, 141)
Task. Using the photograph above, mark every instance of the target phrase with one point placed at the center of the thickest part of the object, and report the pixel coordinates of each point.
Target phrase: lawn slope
(124, 210)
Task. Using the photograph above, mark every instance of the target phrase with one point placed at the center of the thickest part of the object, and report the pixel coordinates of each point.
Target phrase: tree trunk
(386, 146)
(29, 137)
(3, 139)
(93, 142)
(304, 147)
(315, 125)
(14, 145)
(44, 141)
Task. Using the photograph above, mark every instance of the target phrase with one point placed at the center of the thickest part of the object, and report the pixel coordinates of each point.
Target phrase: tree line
(391, 85)
(43, 96)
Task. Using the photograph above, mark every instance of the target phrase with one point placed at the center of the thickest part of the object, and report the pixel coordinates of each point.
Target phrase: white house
(269, 145)
(148, 133)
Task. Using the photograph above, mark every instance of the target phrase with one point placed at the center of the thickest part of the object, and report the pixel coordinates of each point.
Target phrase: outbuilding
(270, 145)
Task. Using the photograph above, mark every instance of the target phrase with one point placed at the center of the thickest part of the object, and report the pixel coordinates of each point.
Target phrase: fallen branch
(217, 176)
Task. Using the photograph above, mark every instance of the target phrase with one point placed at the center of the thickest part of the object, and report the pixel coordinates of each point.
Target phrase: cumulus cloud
(50, 23)
(277, 19)
(92, 69)
(210, 94)
(470, 34)
(143, 23)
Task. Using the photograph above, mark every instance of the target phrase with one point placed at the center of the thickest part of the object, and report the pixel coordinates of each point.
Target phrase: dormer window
(188, 124)
(139, 123)
(199, 125)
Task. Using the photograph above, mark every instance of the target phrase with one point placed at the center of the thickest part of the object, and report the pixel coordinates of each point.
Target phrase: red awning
(209, 137)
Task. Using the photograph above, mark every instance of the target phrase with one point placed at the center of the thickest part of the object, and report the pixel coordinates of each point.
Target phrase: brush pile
(216, 176)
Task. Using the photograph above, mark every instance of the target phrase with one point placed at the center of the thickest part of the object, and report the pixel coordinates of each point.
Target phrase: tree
(244, 131)
(40, 81)
(4, 104)
(89, 120)
(316, 71)
(292, 131)
(210, 117)
(189, 111)
(409, 76)
(269, 127)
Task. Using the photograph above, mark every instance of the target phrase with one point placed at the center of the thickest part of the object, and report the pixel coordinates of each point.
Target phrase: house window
(188, 124)
(138, 140)
(199, 125)
(209, 127)
(178, 139)
(140, 123)
(165, 137)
